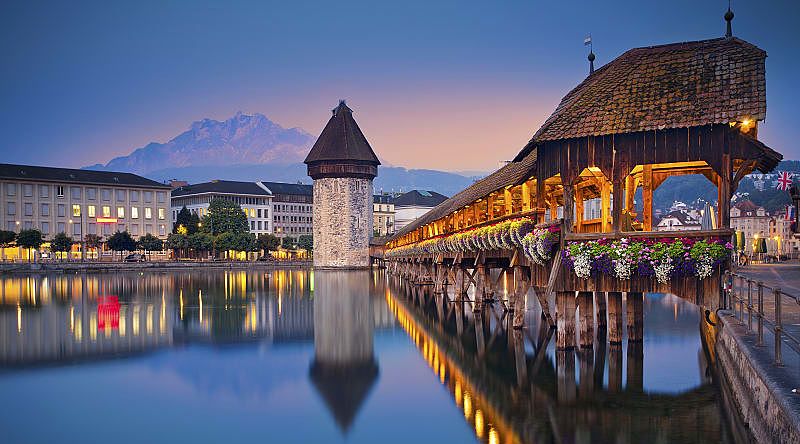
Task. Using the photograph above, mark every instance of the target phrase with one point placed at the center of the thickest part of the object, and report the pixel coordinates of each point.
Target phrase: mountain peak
(241, 139)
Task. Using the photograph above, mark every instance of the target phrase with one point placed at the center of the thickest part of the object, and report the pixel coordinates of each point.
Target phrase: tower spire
(588, 42)
(729, 19)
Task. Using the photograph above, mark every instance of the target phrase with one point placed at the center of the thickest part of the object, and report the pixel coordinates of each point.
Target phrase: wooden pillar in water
(586, 368)
(635, 370)
(635, 312)
(480, 286)
(521, 286)
(600, 310)
(614, 317)
(586, 306)
(565, 320)
(565, 374)
(520, 362)
(614, 368)
(479, 339)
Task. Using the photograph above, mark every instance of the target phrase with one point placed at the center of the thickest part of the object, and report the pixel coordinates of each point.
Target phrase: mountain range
(252, 147)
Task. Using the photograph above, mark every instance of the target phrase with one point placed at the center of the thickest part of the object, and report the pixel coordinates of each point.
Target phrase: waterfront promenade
(97, 266)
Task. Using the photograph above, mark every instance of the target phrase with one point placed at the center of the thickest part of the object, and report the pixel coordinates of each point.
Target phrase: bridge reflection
(513, 387)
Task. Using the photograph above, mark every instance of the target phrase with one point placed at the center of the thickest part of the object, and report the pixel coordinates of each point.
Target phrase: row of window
(91, 210)
(283, 208)
(76, 230)
(76, 193)
(292, 219)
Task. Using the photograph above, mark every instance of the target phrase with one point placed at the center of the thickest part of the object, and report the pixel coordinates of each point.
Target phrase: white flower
(583, 266)
(664, 270)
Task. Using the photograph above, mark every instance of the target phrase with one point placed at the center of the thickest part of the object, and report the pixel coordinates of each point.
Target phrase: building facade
(81, 202)
(382, 215)
(678, 221)
(254, 198)
(756, 223)
(342, 164)
(413, 204)
(293, 205)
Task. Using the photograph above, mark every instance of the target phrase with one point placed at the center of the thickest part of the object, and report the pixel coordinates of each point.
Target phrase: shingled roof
(70, 175)
(678, 85)
(342, 140)
(512, 173)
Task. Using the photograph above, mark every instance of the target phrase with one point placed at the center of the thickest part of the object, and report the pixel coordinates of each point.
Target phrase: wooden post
(630, 192)
(579, 210)
(635, 316)
(614, 317)
(526, 196)
(479, 340)
(647, 198)
(565, 374)
(614, 366)
(519, 357)
(569, 202)
(585, 303)
(586, 366)
(565, 320)
(605, 210)
(480, 285)
(600, 309)
(724, 193)
(508, 201)
(616, 212)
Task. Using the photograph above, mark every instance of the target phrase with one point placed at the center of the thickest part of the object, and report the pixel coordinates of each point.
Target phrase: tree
(237, 242)
(178, 243)
(121, 241)
(61, 243)
(149, 243)
(225, 242)
(288, 243)
(7, 239)
(306, 242)
(30, 239)
(268, 242)
(225, 216)
(201, 242)
(186, 220)
(93, 241)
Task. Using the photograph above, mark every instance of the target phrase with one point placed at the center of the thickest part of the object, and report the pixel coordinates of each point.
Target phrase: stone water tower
(342, 165)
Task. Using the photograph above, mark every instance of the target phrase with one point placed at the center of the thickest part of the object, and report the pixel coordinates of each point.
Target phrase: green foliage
(7, 238)
(225, 216)
(93, 241)
(30, 239)
(61, 243)
(201, 242)
(237, 242)
(121, 241)
(148, 243)
(306, 242)
(288, 243)
(177, 241)
(186, 219)
(268, 242)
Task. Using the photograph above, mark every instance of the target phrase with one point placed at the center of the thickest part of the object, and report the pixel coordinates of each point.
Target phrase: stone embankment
(764, 396)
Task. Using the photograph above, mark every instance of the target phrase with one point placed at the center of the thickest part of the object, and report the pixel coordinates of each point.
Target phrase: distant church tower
(342, 165)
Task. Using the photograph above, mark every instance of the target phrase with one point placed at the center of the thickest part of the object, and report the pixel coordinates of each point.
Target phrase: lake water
(305, 357)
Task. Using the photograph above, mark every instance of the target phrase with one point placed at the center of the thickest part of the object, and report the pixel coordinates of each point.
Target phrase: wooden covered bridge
(650, 114)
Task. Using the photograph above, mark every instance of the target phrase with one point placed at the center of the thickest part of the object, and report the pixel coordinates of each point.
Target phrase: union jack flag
(789, 212)
(784, 180)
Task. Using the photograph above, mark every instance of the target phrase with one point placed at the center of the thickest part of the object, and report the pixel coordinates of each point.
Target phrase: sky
(452, 85)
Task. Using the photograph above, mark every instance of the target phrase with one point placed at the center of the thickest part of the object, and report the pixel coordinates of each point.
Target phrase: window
(106, 229)
(28, 225)
(260, 225)
(120, 195)
(59, 192)
(120, 212)
(148, 213)
(106, 211)
(134, 213)
(120, 227)
(60, 227)
(252, 225)
(11, 189)
(44, 191)
(134, 195)
(44, 210)
(91, 210)
(76, 210)
(11, 226)
(62, 210)
(148, 228)
(106, 194)
(75, 192)
(161, 214)
(162, 230)
(161, 196)
(11, 208)
(76, 229)
(148, 196)
(27, 190)
(92, 228)
(135, 229)
(28, 208)
(45, 227)
(91, 193)
(252, 212)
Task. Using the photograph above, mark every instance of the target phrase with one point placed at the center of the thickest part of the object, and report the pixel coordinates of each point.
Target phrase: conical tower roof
(341, 143)
(344, 388)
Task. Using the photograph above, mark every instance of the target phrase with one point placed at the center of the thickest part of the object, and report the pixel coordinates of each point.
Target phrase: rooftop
(221, 186)
(342, 140)
(678, 85)
(69, 175)
(419, 198)
(289, 188)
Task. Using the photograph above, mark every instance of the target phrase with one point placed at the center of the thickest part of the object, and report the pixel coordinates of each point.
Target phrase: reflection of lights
(479, 423)
(200, 298)
(467, 405)
(93, 326)
(136, 320)
(122, 313)
(19, 319)
(493, 436)
(180, 299)
(71, 318)
(149, 319)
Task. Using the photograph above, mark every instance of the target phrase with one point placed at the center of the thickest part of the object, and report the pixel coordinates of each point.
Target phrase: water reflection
(336, 355)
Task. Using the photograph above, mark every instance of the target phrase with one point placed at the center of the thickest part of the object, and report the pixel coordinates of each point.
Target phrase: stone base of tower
(342, 222)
